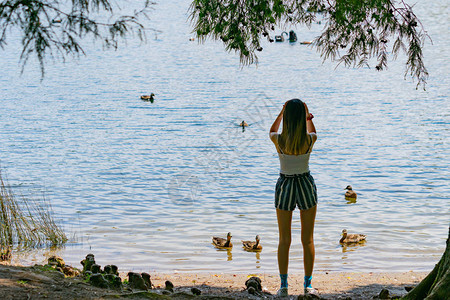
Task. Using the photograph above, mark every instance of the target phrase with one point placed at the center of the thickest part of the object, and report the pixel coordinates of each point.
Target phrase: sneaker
(311, 292)
(283, 292)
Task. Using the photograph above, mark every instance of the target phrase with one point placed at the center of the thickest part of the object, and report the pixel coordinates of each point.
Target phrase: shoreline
(19, 282)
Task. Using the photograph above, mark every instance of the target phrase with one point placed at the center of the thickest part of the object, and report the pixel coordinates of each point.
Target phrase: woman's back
(291, 164)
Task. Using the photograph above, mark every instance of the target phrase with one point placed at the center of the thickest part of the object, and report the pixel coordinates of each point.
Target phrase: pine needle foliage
(55, 28)
(355, 32)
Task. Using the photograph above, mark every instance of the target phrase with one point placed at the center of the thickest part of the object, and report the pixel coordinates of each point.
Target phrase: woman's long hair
(293, 137)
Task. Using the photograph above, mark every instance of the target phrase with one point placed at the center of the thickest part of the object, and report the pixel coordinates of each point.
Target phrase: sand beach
(34, 282)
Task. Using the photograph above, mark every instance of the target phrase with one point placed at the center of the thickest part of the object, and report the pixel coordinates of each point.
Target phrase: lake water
(145, 186)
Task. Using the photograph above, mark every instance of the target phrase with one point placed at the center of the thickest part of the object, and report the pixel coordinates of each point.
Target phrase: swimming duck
(351, 238)
(252, 246)
(221, 242)
(243, 124)
(148, 98)
(350, 193)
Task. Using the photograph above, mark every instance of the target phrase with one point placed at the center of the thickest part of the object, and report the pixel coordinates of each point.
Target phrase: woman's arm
(276, 125)
(310, 128)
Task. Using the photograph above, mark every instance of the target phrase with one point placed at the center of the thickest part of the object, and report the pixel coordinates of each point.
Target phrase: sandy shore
(18, 282)
(331, 286)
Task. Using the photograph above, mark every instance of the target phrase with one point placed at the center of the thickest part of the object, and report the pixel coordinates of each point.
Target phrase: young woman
(295, 186)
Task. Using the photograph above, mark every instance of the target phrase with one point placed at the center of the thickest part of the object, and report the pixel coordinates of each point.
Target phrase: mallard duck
(351, 238)
(350, 193)
(243, 124)
(148, 98)
(251, 245)
(221, 242)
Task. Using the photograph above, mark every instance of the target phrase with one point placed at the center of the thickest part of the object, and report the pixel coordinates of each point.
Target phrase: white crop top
(295, 164)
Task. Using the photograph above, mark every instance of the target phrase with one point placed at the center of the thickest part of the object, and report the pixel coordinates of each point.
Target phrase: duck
(243, 124)
(221, 242)
(350, 193)
(351, 238)
(148, 98)
(252, 246)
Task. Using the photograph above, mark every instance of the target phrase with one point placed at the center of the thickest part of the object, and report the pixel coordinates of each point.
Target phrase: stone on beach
(384, 294)
(88, 262)
(136, 281)
(196, 291)
(114, 281)
(56, 261)
(169, 285)
(255, 283)
(147, 280)
(98, 280)
(70, 271)
(107, 269)
(59, 265)
(110, 269)
(95, 269)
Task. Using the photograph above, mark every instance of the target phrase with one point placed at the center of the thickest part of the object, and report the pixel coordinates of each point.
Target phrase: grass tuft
(26, 223)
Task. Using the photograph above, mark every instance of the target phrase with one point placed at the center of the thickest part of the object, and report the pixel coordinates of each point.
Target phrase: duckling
(148, 98)
(350, 193)
(221, 242)
(252, 246)
(351, 238)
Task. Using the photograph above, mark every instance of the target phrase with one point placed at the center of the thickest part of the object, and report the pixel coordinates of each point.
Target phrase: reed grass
(26, 223)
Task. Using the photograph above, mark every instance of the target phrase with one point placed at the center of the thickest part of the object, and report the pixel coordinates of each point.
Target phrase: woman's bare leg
(307, 219)
(284, 218)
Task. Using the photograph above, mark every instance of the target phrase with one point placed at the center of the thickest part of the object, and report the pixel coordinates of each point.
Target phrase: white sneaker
(283, 292)
(311, 291)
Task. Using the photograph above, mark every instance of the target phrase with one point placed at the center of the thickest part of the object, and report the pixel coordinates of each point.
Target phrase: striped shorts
(292, 190)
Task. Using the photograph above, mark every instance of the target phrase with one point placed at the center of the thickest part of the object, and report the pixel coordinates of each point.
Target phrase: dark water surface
(145, 186)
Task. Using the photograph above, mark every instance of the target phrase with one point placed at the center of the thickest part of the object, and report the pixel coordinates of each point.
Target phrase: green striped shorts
(295, 190)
